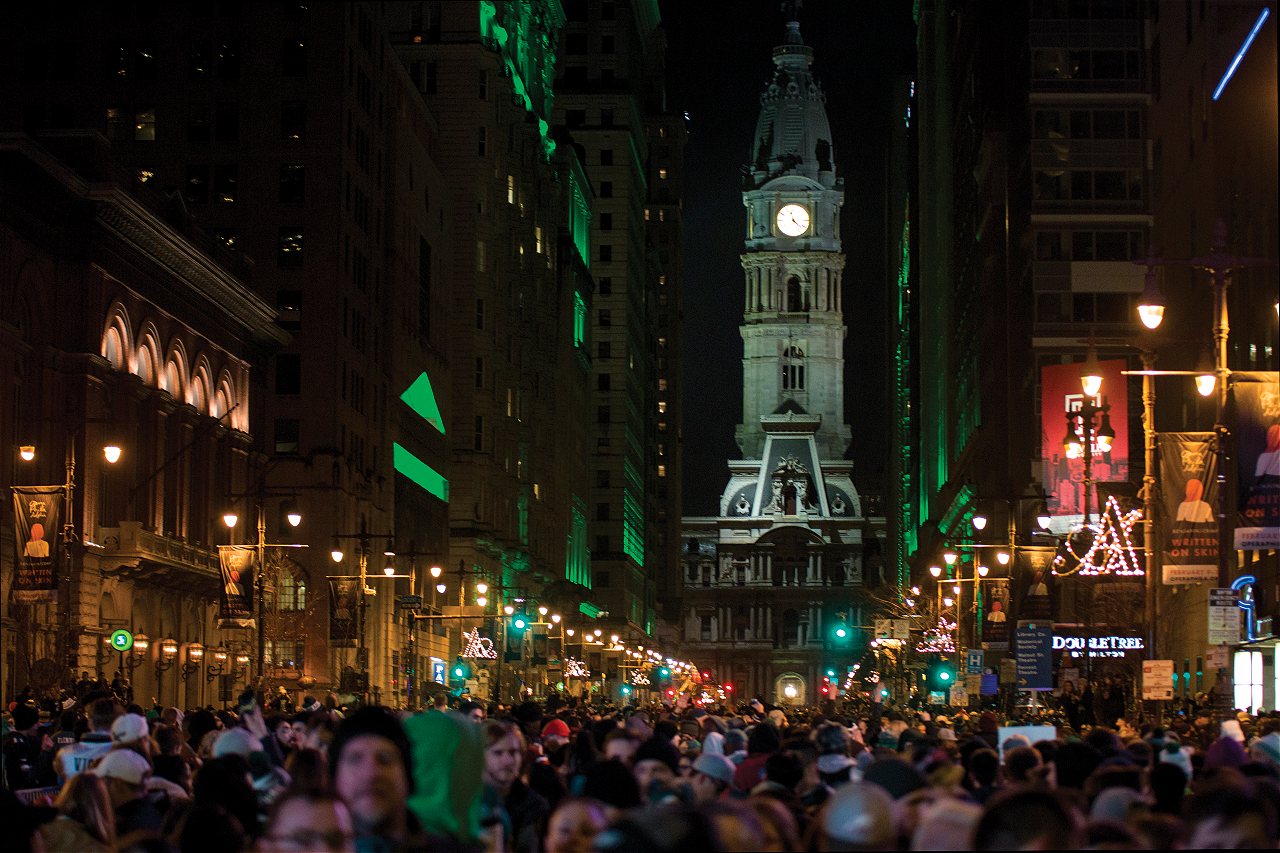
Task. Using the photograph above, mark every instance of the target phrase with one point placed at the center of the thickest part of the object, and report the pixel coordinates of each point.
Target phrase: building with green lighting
(775, 587)
(610, 104)
(520, 206)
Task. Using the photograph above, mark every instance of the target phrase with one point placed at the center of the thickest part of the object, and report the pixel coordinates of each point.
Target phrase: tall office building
(609, 100)
(520, 209)
(292, 132)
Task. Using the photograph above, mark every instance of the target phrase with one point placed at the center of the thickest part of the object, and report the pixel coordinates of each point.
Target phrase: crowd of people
(564, 775)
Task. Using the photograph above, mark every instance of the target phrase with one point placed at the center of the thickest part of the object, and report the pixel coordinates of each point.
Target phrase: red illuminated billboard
(1059, 394)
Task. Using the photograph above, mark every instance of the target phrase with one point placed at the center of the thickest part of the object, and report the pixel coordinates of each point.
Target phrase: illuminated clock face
(793, 220)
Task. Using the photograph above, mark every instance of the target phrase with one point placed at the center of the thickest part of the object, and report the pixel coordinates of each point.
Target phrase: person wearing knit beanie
(372, 773)
(1267, 750)
(1173, 753)
(1231, 729)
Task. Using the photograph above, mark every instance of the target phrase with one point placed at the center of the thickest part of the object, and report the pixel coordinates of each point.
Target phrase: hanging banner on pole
(235, 605)
(995, 627)
(1257, 435)
(1188, 525)
(344, 599)
(37, 528)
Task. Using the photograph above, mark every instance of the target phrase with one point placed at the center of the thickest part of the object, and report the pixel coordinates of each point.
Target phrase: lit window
(537, 239)
(511, 189)
(662, 470)
(646, 214)
(145, 175)
(662, 174)
(1248, 681)
(662, 407)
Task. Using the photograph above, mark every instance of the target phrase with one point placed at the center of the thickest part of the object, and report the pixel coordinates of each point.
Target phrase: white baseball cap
(123, 764)
(128, 728)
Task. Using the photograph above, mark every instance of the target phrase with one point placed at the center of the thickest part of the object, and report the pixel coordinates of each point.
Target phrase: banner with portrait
(1060, 394)
(1188, 523)
(1257, 435)
(995, 621)
(235, 605)
(344, 601)
(37, 526)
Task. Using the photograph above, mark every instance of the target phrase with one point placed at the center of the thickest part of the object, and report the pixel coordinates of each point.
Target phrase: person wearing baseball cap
(710, 777)
(129, 729)
(127, 774)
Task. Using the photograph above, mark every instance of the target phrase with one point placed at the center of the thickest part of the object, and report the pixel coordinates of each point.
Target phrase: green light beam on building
(421, 397)
(419, 472)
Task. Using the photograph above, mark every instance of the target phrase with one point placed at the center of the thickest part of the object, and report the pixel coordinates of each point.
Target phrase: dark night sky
(718, 62)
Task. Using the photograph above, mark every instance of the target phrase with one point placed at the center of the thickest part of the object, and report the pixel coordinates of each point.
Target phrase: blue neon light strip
(1231, 69)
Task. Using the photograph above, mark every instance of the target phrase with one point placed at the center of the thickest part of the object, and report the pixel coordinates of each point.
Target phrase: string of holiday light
(574, 668)
(938, 640)
(478, 647)
(1111, 550)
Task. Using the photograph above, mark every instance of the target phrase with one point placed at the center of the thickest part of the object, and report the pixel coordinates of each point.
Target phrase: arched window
(795, 300)
(793, 369)
(146, 364)
(113, 348)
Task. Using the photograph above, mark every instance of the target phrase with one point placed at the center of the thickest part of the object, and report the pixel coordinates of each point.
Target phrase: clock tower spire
(793, 329)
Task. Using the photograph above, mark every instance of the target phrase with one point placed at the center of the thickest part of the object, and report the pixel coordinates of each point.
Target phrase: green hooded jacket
(448, 758)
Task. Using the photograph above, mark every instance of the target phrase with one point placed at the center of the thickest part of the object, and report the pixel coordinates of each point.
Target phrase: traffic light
(940, 675)
(840, 630)
(519, 622)
(460, 672)
(728, 688)
(664, 672)
(626, 690)
(825, 689)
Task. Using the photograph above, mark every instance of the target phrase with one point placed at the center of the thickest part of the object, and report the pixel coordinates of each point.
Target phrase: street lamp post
(294, 518)
(111, 453)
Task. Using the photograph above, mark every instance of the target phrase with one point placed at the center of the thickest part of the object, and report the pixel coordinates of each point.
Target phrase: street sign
(884, 629)
(1035, 656)
(121, 640)
(902, 629)
(408, 601)
(990, 684)
(973, 684)
(1215, 658)
(959, 696)
(1224, 617)
(1157, 679)
(973, 661)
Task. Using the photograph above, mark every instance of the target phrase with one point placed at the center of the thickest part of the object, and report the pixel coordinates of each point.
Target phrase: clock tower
(774, 591)
(792, 329)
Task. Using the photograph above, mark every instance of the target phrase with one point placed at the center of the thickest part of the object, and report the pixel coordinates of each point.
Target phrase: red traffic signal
(728, 688)
(671, 693)
(825, 690)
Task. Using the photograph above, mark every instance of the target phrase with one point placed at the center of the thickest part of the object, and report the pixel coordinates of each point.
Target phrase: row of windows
(217, 123)
(1092, 185)
(221, 183)
(1088, 124)
(1090, 245)
(1053, 64)
(1086, 307)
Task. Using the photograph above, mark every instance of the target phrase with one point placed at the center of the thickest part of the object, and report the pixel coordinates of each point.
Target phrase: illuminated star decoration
(574, 668)
(477, 646)
(1111, 550)
(938, 640)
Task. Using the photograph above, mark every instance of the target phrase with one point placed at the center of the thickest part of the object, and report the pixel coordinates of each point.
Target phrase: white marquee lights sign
(1109, 646)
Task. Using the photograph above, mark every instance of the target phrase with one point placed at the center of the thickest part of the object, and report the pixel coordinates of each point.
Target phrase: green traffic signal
(519, 623)
(842, 632)
(831, 673)
(944, 675)
(664, 672)
(626, 691)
